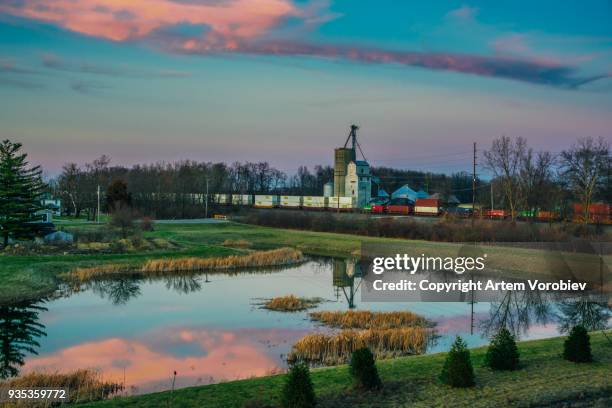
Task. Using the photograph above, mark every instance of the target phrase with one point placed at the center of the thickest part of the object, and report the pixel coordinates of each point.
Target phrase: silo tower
(342, 157)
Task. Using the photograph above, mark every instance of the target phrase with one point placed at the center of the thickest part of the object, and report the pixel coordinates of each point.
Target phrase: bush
(502, 353)
(146, 224)
(298, 391)
(577, 347)
(363, 369)
(457, 370)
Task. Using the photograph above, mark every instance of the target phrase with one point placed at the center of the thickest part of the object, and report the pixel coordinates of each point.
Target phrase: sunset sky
(281, 80)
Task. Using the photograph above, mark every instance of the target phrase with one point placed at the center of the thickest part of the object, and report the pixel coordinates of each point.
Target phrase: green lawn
(544, 380)
(24, 277)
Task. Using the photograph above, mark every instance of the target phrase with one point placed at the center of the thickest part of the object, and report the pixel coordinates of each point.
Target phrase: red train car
(499, 214)
(599, 213)
(401, 206)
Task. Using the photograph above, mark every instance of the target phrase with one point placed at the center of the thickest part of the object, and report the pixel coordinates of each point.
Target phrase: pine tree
(457, 370)
(20, 193)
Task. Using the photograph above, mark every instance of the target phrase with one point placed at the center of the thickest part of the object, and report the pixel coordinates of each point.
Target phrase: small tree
(21, 188)
(363, 369)
(577, 346)
(502, 353)
(457, 370)
(117, 195)
(123, 218)
(298, 391)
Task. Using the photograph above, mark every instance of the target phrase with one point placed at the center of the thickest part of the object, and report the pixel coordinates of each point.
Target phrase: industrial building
(352, 177)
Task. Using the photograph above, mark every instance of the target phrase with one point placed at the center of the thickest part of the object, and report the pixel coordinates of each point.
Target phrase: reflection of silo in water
(344, 273)
(342, 157)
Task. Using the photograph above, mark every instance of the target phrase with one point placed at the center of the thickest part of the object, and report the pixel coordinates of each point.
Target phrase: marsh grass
(365, 319)
(336, 348)
(83, 385)
(291, 303)
(237, 243)
(156, 267)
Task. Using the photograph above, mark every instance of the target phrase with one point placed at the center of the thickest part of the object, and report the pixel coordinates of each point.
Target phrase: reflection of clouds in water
(215, 355)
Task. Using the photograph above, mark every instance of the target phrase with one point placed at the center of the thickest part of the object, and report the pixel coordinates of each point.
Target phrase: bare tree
(536, 179)
(584, 167)
(504, 160)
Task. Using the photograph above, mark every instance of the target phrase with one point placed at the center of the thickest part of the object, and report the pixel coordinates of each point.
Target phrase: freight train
(430, 207)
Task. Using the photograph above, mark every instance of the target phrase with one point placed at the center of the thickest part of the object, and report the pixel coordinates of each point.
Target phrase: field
(23, 277)
(545, 380)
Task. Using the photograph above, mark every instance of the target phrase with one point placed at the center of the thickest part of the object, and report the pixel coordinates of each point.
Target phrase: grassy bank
(23, 277)
(545, 380)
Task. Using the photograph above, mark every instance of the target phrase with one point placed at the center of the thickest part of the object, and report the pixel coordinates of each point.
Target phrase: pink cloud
(119, 20)
(213, 356)
(463, 13)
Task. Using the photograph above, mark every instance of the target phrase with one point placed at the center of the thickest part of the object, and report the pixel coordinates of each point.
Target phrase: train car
(242, 199)
(291, 201)
(459, 212)
(427, 206)
(224, 199)
(340, 204)
(314, 202)
(400, 205)
(599, 213)
(378, 202)
(266, 201)
(496, 214)
(548, 216)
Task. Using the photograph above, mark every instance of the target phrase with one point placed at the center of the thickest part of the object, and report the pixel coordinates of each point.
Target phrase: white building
(359, 183)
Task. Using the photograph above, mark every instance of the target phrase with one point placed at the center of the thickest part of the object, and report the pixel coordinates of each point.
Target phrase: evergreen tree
(457, 370)
(362, 368)
(577, 346)
(298, 391)
(20, 193)
(502, 353)
(19, 333)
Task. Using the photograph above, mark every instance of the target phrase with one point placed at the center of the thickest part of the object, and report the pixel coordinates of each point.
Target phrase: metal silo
(328, 189)
(342, 157)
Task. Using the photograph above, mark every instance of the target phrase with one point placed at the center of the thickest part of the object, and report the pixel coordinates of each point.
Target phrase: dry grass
(291, 303)
(333, 349)
(365, 319)
(237, 243)
(274, 257)
(83, 385)
(259, 259)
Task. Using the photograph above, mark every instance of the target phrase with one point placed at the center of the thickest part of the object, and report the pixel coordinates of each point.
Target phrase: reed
(291, 303)
(83, 385)
(259, 259)
(365, 319)
(274, 257)
(336, 348)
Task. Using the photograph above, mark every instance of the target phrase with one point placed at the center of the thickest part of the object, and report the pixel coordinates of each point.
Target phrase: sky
(282, 80)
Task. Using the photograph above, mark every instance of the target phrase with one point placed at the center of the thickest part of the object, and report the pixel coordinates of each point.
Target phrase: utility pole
(206, 200)
(98, 211)
(474, 186)
(492, 195)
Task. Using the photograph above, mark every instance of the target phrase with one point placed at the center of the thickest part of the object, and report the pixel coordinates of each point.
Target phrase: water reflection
(20, 330)
(517, 311)
(118, 291)
(345, 272)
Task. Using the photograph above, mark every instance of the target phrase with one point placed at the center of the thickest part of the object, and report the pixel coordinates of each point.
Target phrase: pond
(210, 327)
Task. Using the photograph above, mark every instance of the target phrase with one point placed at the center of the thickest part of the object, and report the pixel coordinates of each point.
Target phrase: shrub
(363, 369)
(298, 391)
(577, 346)
(502, 353)
(457, 370)
(146, 224)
